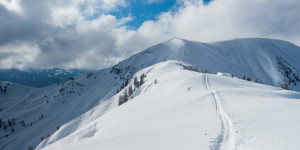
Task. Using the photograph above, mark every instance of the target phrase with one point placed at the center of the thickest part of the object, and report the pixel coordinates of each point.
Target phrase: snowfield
(192, 110)
(193, 98)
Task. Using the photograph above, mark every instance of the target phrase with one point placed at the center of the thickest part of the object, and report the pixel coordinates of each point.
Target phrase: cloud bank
(83, 34)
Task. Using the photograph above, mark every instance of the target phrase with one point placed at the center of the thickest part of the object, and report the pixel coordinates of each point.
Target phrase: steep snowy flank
(180, 109)
(39, 112)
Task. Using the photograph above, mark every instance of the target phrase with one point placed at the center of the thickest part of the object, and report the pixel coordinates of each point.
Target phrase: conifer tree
(125, 95)
(244, 77)
(136, 82)
(142, 79)
(130, 91)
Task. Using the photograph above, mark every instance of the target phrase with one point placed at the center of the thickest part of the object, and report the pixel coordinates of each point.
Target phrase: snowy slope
(190, 110)
(75, 103)
(58, 104)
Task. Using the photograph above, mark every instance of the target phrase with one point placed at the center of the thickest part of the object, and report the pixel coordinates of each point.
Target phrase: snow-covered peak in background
(270, 61)
(75, 109)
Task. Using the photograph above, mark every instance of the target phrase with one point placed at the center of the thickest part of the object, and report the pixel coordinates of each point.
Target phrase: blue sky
(142, 11)
(145, 10)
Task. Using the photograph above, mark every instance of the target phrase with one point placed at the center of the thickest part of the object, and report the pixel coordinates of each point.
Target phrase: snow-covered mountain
(182, 109)
(182, 103)
(38, 77)
(271, 61)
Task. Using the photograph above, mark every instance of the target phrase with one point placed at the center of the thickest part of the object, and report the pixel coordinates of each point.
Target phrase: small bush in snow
(285, 85)
(255, 80)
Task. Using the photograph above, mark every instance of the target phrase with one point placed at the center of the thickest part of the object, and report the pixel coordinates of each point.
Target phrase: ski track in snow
(225, 140)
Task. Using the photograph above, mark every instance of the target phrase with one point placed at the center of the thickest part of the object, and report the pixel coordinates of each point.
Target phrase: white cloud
(12, 5)
(61, 35)
(18, 55)
(227, 19)
(64, 16)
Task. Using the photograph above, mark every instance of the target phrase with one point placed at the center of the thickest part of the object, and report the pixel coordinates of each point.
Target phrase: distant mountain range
(38, 77)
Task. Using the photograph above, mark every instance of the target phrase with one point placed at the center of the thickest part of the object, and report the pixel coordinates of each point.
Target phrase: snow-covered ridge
(182, 109)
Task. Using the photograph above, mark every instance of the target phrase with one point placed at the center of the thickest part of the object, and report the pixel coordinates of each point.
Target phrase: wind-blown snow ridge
(226, 136)
(178, 112)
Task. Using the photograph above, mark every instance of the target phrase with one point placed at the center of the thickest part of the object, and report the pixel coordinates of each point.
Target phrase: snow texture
(192, 110)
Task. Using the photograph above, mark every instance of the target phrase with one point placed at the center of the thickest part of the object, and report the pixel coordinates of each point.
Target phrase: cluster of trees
(10, 123)
(88, 75)
(23, 123)
(285, 85)
(128, 92)
(246, 78)
(191, 68)
(3, 90)
(5, 125)
(71, 87)
(123, 85)
(116, 70)
(287, 71)
(249, 79)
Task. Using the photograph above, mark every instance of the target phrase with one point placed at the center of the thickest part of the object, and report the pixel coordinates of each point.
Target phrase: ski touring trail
(225, 140)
